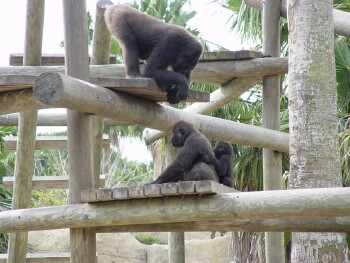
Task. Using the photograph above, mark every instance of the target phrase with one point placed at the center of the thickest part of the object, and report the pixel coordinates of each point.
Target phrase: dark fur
(194, 147)
(161, 45)
(223, 152)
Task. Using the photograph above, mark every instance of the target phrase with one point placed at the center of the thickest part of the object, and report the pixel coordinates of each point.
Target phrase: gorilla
(223, 153)
(161, 45)
(188, 164)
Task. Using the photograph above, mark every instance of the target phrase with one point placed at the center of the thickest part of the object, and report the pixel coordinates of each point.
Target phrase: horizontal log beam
(19, 101)
(58, 90)
(47, 142)
(218, 99)
(46, 182)
(208, 72)
(341, 19)
(306, 203)
(323, 224)
(47, 119)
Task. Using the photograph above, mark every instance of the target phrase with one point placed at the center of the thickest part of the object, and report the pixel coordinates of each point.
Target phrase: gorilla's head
(223, 148)
(181, 131)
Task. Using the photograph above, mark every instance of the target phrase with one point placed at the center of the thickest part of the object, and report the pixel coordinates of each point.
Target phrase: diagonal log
(218, 99)
(55, 89)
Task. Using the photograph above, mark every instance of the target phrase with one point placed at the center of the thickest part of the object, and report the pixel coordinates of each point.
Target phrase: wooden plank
(63, 91)
(139, 87)
(187, 187)
(104, 194)
(216, 73)
(46, 182)
(121, 193)
(47, 142)
(136, 192)
(48, 59)
(211, 187)
(89, 195)
(60, 257)
(300, 203)
(230, 55)
(145, 88)
(153, 190)
(170, 189)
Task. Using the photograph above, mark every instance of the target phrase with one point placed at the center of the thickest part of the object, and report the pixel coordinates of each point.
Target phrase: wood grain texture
(272, 160)
(307, 203)
(138, 87)
(80, 157)
(24, 164)
(155, 190)
(62, 91)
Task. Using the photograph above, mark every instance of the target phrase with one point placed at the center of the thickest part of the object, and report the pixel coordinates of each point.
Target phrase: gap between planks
(155, 190)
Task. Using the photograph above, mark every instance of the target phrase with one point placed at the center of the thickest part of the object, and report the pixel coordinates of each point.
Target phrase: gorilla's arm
(181, 164)
(226, 165)
(211, 159)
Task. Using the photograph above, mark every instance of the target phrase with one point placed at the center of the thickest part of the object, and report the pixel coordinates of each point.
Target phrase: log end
(48, 88)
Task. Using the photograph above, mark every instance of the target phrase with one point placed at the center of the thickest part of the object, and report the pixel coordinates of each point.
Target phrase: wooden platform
(155, 191)
(16, 59)
(138, 87)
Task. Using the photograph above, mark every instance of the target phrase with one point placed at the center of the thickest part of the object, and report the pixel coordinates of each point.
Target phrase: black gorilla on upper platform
(161, 45)
(188, 164)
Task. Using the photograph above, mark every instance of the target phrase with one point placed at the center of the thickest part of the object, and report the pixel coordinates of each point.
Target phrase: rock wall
(124, 247)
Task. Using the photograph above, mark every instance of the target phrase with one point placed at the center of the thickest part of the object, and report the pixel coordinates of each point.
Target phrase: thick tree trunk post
(80, 159)
(17, 246)
(176, 240)
(314, 149)
(272, 160)
(100, 56)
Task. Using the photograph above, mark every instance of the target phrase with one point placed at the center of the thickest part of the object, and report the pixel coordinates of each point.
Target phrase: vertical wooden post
(176, 240)
(272, 160)
(80, 158)
(100, 56)
(17, 248)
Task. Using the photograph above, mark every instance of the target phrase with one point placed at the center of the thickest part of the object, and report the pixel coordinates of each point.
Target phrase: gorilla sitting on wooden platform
(189, 165)
(161, 45)
(223, 153)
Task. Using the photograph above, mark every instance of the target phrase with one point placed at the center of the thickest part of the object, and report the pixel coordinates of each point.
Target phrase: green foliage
(147, 239)
(44, 198)
(124, 172)
(342, 64)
